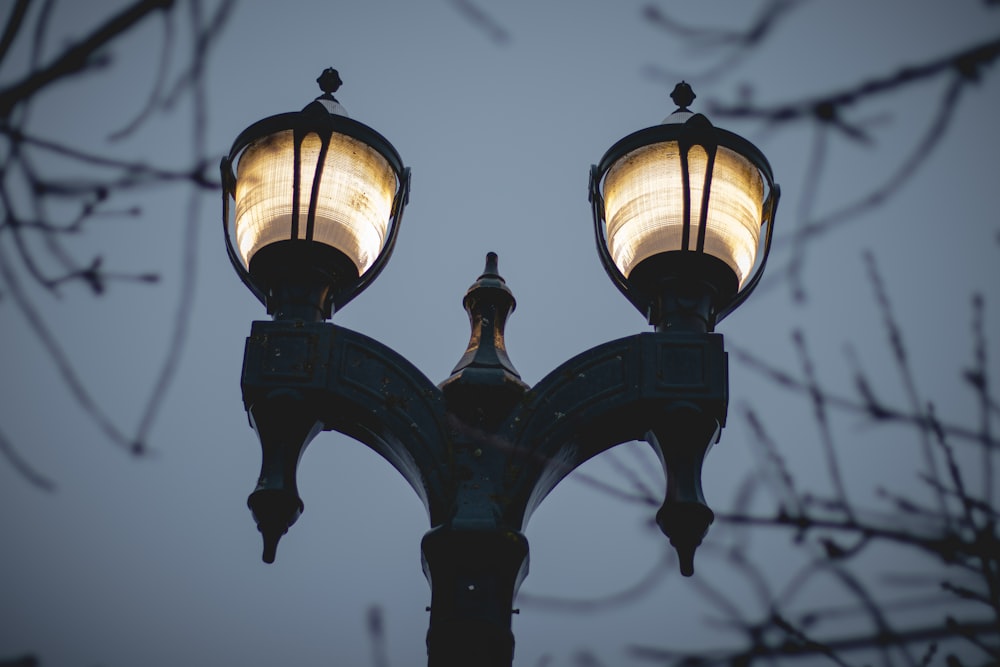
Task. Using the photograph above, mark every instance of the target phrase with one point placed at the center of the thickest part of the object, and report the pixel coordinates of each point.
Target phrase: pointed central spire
(485, 365)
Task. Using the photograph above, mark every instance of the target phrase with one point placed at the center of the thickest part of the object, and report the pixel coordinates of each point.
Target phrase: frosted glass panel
(353, 206)
(644, 206)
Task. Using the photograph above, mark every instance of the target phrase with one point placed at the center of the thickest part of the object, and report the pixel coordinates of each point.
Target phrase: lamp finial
(329, 81)
(682, 96)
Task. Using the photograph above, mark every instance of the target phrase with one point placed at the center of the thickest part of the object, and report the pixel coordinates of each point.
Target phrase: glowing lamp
(681, 211)
(317, 198)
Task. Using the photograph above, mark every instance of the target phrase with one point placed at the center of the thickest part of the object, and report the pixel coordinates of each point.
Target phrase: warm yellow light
(644, 206)
(352, 208)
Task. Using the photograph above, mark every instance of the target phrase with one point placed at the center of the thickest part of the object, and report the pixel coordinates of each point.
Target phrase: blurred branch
(867, 405)
(958, 530)
(978, 377)
(23, 468)
(14, 23)
(36, 242)
(479, 18)
(189, 259)
(820, 417)
(76, 386)
(77, 57)
(734, 43)
(895, 340)
(133, 174)
(790, 645)
(968, 64)
(966, 68)
(23, 661)
(643, 586)
(376, 633)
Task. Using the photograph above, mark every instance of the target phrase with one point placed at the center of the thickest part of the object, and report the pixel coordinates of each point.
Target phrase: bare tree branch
(80, 56)
(968, 64)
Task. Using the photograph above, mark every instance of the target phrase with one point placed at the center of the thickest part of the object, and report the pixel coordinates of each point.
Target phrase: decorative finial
(329, 81)
(484, 386)
(492, 269)
(682, 96)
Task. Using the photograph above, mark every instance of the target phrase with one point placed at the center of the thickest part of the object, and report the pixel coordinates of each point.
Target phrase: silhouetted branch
(482, 20)
(133, 174)
(14, 23)
(783, 647)
(644, 492)
(810, 190)
(189, 259)
(964, 541)
(78, 57)
(23, 661)
(775, 471)
(376, 633)
(867, 405)
(810, 228)
(733, 42)
(76, 386)
(23, 468)
(820, 416)
(978, 378)
(626, 596)
(35, 242)
(204, 38)
(968, 63)
(895, 339)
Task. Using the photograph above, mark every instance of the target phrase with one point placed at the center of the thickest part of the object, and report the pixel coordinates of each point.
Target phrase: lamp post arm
(382, 400)
(668, 388)
(312, 376)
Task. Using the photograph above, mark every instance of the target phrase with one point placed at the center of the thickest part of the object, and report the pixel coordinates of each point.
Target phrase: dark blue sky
(156, 562)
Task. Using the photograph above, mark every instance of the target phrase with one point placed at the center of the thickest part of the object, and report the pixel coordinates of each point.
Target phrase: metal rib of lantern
(668, 172)
(344, 166)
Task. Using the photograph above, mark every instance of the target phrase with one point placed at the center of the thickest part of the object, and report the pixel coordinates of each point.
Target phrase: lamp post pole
(481, 449)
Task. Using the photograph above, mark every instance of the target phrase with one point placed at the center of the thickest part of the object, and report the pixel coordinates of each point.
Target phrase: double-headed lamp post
(683, 215)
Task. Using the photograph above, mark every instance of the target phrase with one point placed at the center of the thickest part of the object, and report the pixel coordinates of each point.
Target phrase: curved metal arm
(608, 395)
(379, 398)
(298, 376)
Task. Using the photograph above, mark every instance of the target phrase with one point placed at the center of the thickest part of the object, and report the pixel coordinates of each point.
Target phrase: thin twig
(16, 461)
(76, 386)
(822, 421)
(967, 63)
(79, 56)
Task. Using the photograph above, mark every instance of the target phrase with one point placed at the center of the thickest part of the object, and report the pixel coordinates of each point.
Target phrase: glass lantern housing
(684, 200)
(644, 205)
(316, 199)
(353, 198)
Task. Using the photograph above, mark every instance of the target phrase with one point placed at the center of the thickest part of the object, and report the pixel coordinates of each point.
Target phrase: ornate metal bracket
(482, 450)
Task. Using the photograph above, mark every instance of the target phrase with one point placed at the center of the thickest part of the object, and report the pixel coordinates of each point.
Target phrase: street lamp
(683, 215)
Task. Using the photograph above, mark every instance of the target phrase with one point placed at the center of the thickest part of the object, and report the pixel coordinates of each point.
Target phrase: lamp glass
(353, 205)
(644, 206)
